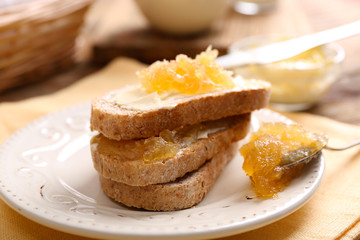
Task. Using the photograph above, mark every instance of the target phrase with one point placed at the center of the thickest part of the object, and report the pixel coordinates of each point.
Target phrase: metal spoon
(301, 156)
(286, 49)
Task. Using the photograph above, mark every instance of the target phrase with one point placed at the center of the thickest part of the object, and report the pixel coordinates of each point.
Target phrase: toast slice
(117, 122)
(182, 193)
(122, 161)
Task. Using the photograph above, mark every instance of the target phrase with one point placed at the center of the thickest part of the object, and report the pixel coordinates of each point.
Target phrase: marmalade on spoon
(272, 146)
(186, 75)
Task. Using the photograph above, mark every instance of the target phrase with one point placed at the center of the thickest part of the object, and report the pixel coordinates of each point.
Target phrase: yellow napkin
(332, 213)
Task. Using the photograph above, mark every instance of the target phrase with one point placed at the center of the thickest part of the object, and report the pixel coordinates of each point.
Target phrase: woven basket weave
(38, 38)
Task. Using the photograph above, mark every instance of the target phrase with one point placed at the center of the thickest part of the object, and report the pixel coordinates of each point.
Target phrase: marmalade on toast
(158, 148)
(187, 75)
(273, 145)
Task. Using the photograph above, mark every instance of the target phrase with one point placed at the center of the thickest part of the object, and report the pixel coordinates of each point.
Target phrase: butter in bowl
(297, 82)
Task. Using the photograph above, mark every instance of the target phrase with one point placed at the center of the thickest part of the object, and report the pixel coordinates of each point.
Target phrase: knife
(289, 48)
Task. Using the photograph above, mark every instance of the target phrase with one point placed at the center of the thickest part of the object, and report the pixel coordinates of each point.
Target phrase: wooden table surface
(116, 28)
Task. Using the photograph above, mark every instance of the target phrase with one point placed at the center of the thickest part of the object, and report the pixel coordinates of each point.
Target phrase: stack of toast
(166, 158)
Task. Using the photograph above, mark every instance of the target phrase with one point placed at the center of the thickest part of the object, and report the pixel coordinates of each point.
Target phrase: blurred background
(46, 45)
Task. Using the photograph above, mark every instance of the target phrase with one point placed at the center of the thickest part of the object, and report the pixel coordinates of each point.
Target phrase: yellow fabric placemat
(332, 213)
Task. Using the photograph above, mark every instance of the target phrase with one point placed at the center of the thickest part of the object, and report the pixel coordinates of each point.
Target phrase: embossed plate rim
(199, 222)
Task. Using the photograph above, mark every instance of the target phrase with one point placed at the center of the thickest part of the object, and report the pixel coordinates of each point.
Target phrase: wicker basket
(38, 38)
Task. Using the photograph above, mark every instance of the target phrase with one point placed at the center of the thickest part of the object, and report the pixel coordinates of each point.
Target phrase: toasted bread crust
(137, 173)
(118, 123)
(180, 194)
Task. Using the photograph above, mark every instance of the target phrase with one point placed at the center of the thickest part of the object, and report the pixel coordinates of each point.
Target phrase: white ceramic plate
(47, 175)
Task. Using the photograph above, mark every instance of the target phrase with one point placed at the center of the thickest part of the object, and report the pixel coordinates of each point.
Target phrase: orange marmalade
(158, 148)
(271, 147)
(186, 75)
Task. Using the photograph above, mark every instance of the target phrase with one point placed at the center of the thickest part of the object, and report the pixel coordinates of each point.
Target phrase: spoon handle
(357, 142)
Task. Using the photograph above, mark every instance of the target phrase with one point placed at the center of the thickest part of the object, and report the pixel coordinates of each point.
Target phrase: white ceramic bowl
(182, 17)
